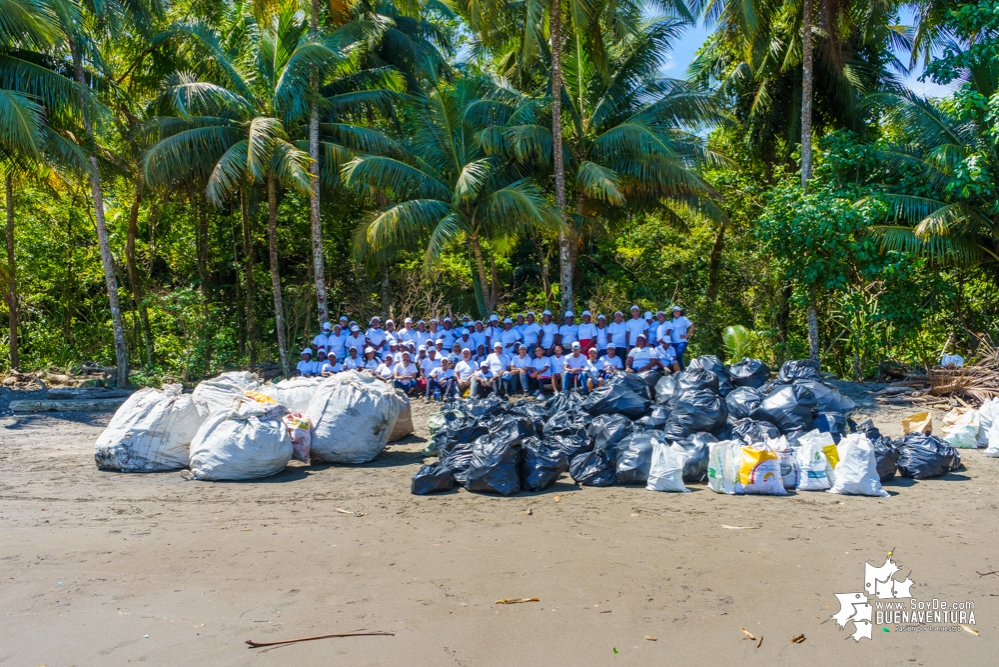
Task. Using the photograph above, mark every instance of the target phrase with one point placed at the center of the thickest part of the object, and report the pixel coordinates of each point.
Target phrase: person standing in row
(618, 332)
(601, 336)
(680, 330)
(531, 332)
(548, 332)
(636, 325)
(568, 333)
(587, 332)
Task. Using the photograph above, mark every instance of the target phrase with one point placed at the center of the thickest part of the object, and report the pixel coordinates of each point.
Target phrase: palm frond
(598, 182)
(396, 177)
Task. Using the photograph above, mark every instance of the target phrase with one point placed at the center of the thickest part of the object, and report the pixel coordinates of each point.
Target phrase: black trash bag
(433, 478)
(607, 430)
(564, 400)
(633, 459)
(885, 452)
(541, 464)
(695, 467)
(696, 412)
(665, 388)
(495, 468)
(697, 379)
(510, 429)
(655, 420)
(490, 405)
(568, 422)
(924, 456)
(799, 369)
(828, 399)
(710, 362)
(741, 402)
(753, 431)
(459, 458)
(651, 377)
(617, 399)
(533, 411)
(831, 422)
(570, 445)
(749, 373)
(594, 468)
(464, 432)
(631, 381)
(789, 408)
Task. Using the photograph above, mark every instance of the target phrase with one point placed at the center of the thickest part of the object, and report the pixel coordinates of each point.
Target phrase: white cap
(327, 325)
(601, 316)
(497, 344)
(353, 347)
(389, 322)
(568, 313)
(343, 318)
(485, 364)
(648, 314)
(635, 308)
(618, 312)
(368, 349)
(433, 320)
(531, 313)
(465, 317)
(307, 350)
(676, 308)
(431, 349)
(408, 320)
(421, 322)
(585, 313)
(547, 312)
(465, 332)
(446, 319)
(374, 318)
(507, 320)
(641, 335)
(493, 318)
(464, 350)
(575, 344)
(355, 328)
(660, 312)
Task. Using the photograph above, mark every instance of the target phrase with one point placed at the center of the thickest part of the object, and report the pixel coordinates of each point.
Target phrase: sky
(694, 37)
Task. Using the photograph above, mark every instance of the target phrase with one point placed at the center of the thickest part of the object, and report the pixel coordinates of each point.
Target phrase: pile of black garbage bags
(606, 438)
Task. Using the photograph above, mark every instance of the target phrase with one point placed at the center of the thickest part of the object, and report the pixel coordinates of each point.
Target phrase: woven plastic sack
(759, 471)
(352, 417)
(300, 432)
(220, 392)
(294, 393)
(248, 441)
(723, 466)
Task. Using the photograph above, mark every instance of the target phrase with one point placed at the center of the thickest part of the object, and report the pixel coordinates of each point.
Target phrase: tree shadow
(37, 420)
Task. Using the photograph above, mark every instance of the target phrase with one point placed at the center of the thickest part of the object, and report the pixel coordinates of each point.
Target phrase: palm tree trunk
(480, 266)
(15, 360)
(248, 266)
(813, 328)
(386, 299)
(202, 218)
(275, 275)
(565, 238)
(134, 279)
(807, 80)
(107, 262)
(314, 218)
(714, 266)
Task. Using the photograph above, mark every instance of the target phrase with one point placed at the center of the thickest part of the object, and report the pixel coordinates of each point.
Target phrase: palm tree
(447, 188)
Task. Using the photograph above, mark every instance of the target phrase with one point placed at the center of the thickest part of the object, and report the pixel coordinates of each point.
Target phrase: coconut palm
(446, 188)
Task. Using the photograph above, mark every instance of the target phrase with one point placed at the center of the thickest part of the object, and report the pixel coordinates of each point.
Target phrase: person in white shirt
(448, 333)
(463, 372)
(353, 362)
(568, 333)
(556, 363)
(499, 365)
(573, 376)
(317, 363)
(305, 368)
(483, 381)
(478, 336)
(407, 333)
(548, 332)
(667, 356)
(594, 371)
(636, 325)
(518, 326)
(466, 340)
(531, 332)
(509, 337)
(429, 363)
(421, 335)
(493, 330)
(611, 363)
(540, 370)
(330, 366)
(602, 336)
(390, 329)
(618, 332)
(520, 369)
(405, 374)
(640, 356)
(355, 339)
(375, 335)
(455, 355)
(587, 332)
(662, 331)
(441, 378)
(433, 330)
(337, 341)
(322, 339)
(370, 362)
(680, 333)
(651, 327)
(385, 369)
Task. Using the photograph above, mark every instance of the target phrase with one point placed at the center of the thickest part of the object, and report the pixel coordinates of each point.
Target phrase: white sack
(666, 473)
(404, 422)
(247, 441)
(812, 460)
(857, 470)
(218, 393)
(151, 431)
(294, 394)
(723, 465)
(993, 441)
(987, 415)
(352, 416)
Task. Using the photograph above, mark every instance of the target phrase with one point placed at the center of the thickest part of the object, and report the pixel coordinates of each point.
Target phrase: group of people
(438, 359)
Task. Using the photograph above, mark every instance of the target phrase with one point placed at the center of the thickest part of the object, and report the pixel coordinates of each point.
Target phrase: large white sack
(961, 427)
(992, 439)
(723, 465)
(857, 470)
(812, 455)
(666, 472)
(352, 416)
(247, 441)
(987, 415)
(294, 394)
(219, 392)
(404, 422)
(151, 431)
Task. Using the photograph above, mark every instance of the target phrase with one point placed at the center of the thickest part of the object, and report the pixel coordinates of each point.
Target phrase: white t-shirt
(406, 334)
(587, 331)
(667, 355)
(508, 338)
(542, 364)
(470, 343)
(305, 368)
(440, 374)
(322, 341)
(609, 362)
(403, 369)
(569, 333)
(464, 369)
(680, 326)
(641, 357)
(617, 331)
(421, 338)
(531, 332)
(548, 332)
(492, 333)
(522, 362)
(428, 365)
(384, 371)
(662, 331)
(330, 368)
(337, 345)
(372, 364)
(478, 338)
(448, 336)
(376, 336)
(572, 362)
(635, 327)
(602, 336)
(355, 341)
(353, 363)
(556, 363)
(498, 362)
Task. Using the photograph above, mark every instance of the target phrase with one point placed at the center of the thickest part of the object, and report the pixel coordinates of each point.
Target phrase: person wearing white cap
(662, 332)
(305, 367)
(355, 339)
(636, 325)
(483, 381)
(330, 365)
(667, 356)
(594, 371)
(518, 326)
(374, 337)
(405, 373)
(602, 336)
(391, 344)
(493, 331)
(531, 332)
(465, 340)
(573, 376)
(541, 371)
(407, 332)
(499, 365)
(433, 329)
(640, 356)
(618, 332)
(455, 355)
(509, 337)
(421, 335)
(370, 361)
(385, 369)
(337, 342)
(611, 362)
(429, 363)
(441, 378)
(479, 336)
(520, 369)
(651, 326)
(556, 363)
(587, 332)
(463, 372)
(568, 332)
(354, 361)
(321, 341)
(448, 333)
(390, 329)
(548, 332)
(680, 333)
